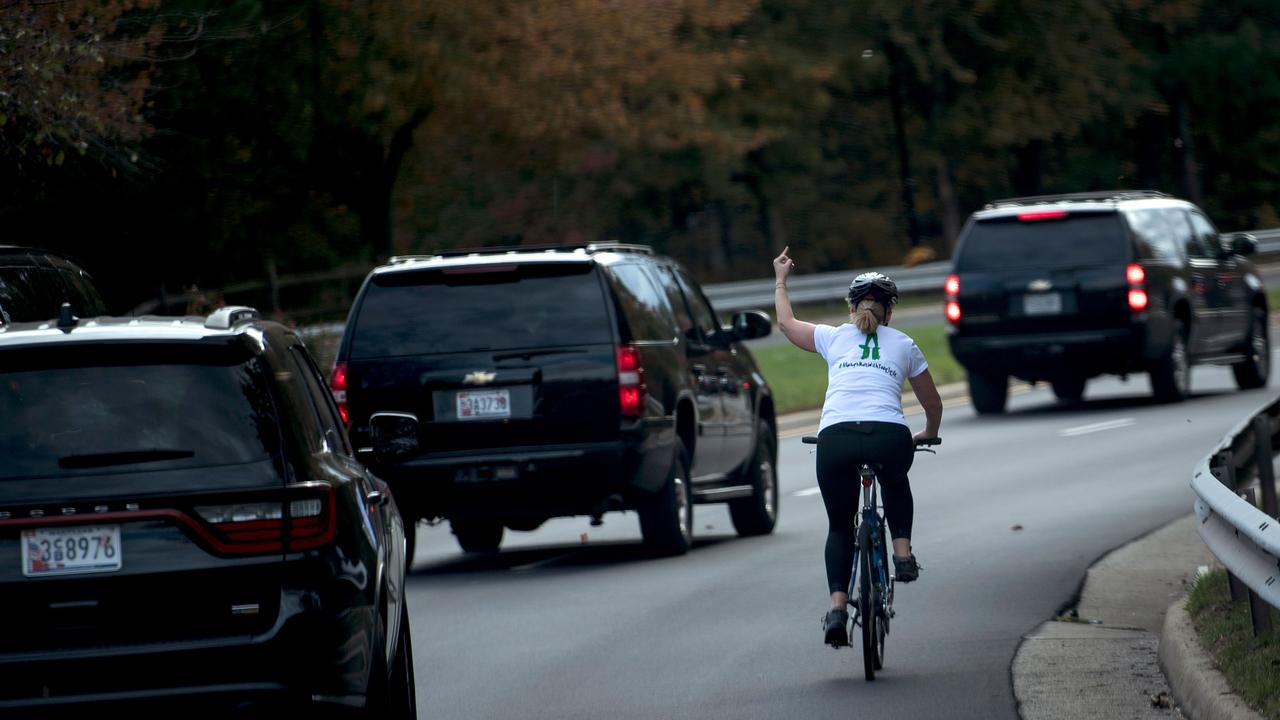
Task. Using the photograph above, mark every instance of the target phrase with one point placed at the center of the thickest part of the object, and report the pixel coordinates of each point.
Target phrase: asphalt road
(573, 621)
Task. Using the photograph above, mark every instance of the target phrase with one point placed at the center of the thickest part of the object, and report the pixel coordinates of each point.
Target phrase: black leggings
(842, 449)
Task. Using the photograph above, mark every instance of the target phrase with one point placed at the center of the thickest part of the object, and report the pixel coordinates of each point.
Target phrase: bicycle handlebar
(922, 442)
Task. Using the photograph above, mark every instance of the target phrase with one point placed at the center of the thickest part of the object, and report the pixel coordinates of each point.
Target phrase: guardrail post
(1264, 461)
(1239, 591)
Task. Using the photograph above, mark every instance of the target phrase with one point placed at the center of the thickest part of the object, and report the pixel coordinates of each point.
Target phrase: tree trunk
(1027, 175)
(381, 172)
(950, 207)
(1185, 151)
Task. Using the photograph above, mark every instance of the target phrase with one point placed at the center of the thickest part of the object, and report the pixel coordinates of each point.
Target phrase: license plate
(1042, 304)
(71, 550)
(482, 404)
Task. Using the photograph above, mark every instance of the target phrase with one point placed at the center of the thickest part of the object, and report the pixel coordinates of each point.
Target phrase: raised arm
(927, 395)
(799, 332)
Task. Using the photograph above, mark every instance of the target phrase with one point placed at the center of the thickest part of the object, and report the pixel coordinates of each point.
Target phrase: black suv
(1066, 287)
(181, 517)
(501, 388)
(34, 284)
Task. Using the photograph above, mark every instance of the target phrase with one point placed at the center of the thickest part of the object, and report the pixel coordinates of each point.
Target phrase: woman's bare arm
(927, 395)
(799, 332)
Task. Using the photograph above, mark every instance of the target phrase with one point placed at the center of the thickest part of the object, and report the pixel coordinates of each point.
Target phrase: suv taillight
(1137, 277)
(338, 386)
(259, 527)
(630, 381)
(952, 288)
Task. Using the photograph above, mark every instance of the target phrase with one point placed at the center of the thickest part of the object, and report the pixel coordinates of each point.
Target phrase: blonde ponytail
(868, 315)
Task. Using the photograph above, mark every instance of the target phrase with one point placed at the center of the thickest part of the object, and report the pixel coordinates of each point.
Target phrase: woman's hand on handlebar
(921, 438)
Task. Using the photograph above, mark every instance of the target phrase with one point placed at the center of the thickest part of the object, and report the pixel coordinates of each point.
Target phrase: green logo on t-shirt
(871, 348)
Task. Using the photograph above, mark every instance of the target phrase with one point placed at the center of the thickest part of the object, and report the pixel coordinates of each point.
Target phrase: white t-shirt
(865, 373)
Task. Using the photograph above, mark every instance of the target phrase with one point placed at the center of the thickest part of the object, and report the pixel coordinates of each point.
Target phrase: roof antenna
(66, 320)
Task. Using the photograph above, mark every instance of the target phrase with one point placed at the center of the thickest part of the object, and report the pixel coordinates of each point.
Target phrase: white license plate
(71, 550)
(482, 404)
(1042, 304)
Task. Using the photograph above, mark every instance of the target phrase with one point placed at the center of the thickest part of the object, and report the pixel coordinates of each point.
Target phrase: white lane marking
(807, 492)
(1098, 427)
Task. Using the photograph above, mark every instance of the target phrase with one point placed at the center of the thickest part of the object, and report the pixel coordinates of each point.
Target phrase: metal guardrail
(1243, 537)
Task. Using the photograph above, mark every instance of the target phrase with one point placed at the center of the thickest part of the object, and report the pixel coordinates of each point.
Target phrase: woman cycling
(862, 421)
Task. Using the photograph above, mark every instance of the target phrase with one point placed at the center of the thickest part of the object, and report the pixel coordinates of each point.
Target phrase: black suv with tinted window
(182, 521)
(501, 388)
(1066, 287)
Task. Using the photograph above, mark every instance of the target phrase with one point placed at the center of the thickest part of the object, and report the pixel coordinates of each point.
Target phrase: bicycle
(873, 602)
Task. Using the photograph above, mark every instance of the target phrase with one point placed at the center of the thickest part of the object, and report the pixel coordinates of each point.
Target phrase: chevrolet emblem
(479, 377)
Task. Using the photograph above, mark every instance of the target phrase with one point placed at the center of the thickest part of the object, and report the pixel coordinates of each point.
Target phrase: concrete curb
(1201, 691)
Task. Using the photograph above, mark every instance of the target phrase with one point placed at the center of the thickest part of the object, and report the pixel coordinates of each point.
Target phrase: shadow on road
(532, 559)
(1052, 407)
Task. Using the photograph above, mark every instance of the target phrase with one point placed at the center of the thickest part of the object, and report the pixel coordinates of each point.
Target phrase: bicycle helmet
(880, 286)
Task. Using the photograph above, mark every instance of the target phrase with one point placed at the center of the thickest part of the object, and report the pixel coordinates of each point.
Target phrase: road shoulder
(1105, 663)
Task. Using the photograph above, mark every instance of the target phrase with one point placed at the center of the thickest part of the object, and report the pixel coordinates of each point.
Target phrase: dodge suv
(500, 388)
(182, 521)
(1063, 288)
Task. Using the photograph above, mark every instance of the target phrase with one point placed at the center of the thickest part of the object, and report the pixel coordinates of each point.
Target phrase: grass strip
(1251, 665)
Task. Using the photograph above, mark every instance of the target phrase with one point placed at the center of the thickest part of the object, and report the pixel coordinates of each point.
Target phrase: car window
(1206, 236)
(704, 318)
(84, 297)
(1155, 232)
(1081, 239)
(27, 295)
(125, 410)
(467, 309)
(647, 311)
(321, 400)
(1180, 226)
(680, 306)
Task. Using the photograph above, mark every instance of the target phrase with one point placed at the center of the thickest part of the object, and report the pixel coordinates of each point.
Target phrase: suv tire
(757, 515)
(989, 392)
(1069, 389)
(477, 536)
(1254, 371)
(1171, 375)
(666, 519)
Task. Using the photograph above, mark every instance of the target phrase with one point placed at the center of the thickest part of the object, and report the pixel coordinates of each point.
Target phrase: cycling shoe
(906, 569)
(836, 628)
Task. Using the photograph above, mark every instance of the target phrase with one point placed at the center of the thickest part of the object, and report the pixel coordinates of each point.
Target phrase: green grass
(799, 378)
(1249, 664)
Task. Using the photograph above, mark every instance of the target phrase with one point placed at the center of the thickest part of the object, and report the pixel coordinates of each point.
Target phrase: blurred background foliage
(207, 143)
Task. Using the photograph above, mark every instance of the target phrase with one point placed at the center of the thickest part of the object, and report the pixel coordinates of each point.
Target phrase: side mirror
(1240, 244)
(751, 324)
(394, 435)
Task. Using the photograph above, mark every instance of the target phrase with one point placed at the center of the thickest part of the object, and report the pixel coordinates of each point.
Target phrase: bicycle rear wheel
(867, 604)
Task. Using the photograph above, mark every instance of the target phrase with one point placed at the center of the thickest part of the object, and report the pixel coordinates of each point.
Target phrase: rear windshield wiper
(124, 457)
(528, 354)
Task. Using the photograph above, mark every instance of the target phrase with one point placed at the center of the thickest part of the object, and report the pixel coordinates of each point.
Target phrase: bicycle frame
(871, 515)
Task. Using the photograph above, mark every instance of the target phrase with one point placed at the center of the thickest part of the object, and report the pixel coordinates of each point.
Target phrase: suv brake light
(1137, 277)
(259, 527)
(630, 381)
(952, 288)
(1043, 215)
(338, 386)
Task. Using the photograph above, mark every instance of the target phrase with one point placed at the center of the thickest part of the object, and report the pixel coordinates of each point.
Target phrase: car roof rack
(1096, 196)
(226, 317)
(517, 249)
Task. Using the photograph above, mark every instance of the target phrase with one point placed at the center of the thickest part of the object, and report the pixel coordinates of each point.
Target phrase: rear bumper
(312, 656)
(528, 483)
(1046, 356)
